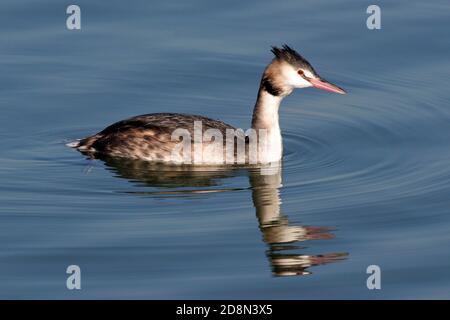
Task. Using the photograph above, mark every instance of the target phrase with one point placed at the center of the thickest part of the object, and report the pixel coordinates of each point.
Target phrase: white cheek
(295, 80)
(302, 83)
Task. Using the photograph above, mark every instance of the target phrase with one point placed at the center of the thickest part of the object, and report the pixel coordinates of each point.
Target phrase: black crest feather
(292, 57)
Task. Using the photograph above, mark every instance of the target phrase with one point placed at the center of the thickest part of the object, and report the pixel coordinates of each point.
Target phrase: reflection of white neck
(265, 116)
(266, 196)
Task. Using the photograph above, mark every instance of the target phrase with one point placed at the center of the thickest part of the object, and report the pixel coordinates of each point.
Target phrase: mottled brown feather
(146, 136)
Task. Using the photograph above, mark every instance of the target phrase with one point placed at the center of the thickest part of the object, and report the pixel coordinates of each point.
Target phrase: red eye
(300, 72)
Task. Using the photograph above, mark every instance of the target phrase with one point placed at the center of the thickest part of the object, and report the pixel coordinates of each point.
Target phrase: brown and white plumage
(149, 137)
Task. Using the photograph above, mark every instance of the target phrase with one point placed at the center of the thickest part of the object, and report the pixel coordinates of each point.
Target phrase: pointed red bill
(325, 85)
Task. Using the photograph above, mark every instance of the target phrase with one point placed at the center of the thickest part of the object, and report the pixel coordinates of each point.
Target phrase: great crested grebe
(150, 136)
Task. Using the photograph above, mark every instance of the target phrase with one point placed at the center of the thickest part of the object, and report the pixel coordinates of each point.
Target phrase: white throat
(265, 116)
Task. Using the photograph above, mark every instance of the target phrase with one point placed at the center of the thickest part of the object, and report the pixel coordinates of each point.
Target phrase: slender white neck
(265, 113)
(265, 116)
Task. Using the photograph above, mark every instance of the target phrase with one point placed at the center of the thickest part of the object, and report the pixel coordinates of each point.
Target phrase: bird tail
(74, 144)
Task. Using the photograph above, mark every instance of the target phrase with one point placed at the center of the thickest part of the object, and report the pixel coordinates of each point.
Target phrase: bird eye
(300, 72)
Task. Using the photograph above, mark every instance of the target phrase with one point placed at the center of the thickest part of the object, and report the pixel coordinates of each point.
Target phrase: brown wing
(146, 135)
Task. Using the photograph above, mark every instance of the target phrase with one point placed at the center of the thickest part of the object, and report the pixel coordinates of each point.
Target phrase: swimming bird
(151, 136)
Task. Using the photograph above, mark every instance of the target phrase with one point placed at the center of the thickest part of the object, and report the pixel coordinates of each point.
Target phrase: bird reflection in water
(281, 237)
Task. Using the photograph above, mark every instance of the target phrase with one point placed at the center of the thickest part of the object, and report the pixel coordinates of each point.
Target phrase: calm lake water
(365, 177)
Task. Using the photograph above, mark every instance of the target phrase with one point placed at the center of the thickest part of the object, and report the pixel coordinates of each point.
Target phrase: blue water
(365, 177)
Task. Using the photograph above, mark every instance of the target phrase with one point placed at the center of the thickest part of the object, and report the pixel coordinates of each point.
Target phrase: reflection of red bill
(324, 85)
